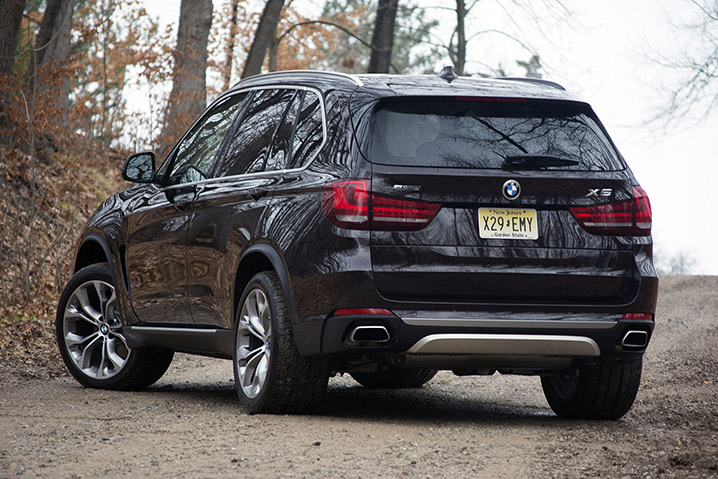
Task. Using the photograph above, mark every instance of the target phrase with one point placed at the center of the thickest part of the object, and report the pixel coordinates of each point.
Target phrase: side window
(282, 144)
(196, 152)
(309, 134)
(248, 150)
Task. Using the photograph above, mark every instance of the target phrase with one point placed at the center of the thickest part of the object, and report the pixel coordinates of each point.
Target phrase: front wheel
(269, 374)
(88, 327)
(599, 391)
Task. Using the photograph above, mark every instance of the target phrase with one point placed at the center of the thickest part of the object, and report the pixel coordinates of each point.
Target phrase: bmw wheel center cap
(511, 190)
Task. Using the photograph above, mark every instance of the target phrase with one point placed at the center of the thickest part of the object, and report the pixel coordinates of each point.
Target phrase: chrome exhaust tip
(369, 334)
(635, 339)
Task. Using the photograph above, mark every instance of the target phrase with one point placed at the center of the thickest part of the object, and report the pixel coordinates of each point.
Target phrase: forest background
(83, 83)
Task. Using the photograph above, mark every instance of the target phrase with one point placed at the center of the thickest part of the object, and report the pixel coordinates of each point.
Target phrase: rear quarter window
(483, 133)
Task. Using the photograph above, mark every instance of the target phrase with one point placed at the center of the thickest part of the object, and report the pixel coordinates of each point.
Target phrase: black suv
(313, 223)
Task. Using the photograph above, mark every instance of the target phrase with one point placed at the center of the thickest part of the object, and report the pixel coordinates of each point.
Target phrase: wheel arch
(93, 249)
(258, 258)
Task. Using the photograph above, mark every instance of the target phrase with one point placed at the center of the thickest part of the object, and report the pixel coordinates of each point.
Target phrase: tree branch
(336, 25)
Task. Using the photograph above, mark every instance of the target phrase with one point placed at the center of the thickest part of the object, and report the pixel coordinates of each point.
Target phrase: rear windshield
(489, 133)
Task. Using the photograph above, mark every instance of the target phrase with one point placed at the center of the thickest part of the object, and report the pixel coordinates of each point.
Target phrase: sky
(602, 52)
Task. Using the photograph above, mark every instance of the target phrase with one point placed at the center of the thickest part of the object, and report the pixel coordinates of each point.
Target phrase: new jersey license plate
(508, 223)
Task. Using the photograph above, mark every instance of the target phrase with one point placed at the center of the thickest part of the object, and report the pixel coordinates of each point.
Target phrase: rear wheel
(601, 391)
(269, 374)
(89, 334)
(395, 378)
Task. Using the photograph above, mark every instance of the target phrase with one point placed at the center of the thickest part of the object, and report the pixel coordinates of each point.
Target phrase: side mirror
(139, 168)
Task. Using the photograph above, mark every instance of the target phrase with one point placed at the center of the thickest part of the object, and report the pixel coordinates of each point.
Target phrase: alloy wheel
(254, 333)
(92, 330)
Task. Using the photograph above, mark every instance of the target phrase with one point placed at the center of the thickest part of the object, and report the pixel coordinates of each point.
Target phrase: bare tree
(266, 31)
(229, 46)
(382, 38)
(188, 97)
(517, 12)
(10, 21)
(351, 51)
(459, 52)
(679, 262)
(695, 63)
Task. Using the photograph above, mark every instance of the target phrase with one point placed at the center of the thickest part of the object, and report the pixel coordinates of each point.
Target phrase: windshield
(490, 133)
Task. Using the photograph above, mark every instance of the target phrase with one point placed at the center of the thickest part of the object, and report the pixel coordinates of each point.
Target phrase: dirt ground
(190, 424)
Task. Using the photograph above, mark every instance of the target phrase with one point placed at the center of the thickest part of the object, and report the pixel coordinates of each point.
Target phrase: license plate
(508, 223)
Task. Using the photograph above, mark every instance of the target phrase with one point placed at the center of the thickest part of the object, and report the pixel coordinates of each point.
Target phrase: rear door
(229, 210)
(506, 173)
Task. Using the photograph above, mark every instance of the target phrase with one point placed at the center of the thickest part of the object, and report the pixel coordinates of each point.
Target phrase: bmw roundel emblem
(511, 190)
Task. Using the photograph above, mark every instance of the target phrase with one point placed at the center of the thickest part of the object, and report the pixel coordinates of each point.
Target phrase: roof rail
(535, 81)
(356, 81)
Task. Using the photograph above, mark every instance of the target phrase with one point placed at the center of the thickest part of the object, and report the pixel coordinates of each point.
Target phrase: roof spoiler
(535, 81)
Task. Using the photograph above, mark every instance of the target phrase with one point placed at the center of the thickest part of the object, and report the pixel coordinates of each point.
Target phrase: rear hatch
(510, 182)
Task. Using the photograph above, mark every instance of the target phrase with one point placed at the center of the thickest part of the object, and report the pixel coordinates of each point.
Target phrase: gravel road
(190, 424)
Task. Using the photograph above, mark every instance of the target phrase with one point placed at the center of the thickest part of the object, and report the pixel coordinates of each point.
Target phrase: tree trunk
(382, 38)
(230, 45)
(10, 21)
(266, 31)
(273, 53)
(52, 52)
(188, 97)
(53, 40)
(460, 37)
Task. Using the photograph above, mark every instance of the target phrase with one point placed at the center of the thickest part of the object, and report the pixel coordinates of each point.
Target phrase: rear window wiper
(535, 162)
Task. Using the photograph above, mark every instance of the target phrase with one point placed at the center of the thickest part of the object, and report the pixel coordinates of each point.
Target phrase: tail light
(351, 204)
(630, 217)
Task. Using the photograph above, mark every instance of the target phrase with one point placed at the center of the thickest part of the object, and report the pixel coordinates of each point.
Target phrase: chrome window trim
(355, 80)
(261, 174)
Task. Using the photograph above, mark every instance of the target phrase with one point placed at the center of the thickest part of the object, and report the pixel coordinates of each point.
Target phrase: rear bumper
(529, 341)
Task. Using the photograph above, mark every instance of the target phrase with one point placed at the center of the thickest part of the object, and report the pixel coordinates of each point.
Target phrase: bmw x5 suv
(313, 223)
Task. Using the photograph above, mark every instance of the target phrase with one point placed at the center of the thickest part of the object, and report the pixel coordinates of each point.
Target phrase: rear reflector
(629, 217)
(362, 312)
(351, 204)
(644, 316)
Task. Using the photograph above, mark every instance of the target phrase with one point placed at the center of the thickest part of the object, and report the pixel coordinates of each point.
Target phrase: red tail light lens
(643, 316)
(346, 203)
(396, 214)
(362, 312)
(644, 216)
(630, 217)
(350, 204)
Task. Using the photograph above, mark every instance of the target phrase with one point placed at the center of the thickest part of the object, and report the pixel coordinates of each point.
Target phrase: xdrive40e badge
(511, 190)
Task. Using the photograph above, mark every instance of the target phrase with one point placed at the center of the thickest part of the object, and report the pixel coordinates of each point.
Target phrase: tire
(395, 378)
(269, 374)
(88, 328)
(602, 391)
